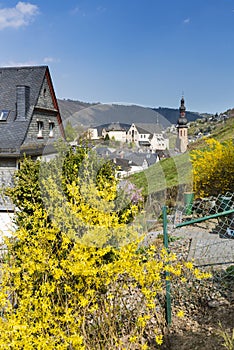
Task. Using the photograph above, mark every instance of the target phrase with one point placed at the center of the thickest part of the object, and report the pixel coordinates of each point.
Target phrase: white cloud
(186, 20)
(50, 60)
(20, 15)
(101, 9)
(79, 11)
(75, 10)
(91, 13)
(45, 60)
(18, 64)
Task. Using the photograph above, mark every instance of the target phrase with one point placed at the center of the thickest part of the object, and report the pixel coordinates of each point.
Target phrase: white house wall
(117, 135)
(133, 135)
(133, 170)
(93, 134)
(6, 225)
(158, 142)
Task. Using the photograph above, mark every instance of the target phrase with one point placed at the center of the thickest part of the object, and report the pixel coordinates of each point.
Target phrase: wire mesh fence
(207, 228)
(202, 232)
(218, 210)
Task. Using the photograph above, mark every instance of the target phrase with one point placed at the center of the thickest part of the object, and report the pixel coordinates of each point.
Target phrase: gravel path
(200, 243)
(206, 248)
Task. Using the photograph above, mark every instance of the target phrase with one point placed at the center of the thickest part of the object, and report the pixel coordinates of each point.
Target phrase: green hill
(172, 114)
(94, 114)
(221, 131)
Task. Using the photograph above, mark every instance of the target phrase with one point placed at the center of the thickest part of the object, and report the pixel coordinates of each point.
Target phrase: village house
(115, 131)
(148, 136)
(30, 121)
(129, 162)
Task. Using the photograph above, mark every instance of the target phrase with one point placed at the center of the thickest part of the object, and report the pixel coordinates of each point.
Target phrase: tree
(70, 132)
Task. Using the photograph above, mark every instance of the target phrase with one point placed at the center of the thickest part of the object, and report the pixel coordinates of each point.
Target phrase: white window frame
(51, 128)
(40, 127)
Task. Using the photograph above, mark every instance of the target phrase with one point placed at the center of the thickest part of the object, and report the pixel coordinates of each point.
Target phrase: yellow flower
(159, 339)
(189, 265)
(180, 314)
(133, 338)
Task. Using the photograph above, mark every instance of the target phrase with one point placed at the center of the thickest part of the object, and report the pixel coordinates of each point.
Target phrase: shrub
(73, 276)
(213, 169)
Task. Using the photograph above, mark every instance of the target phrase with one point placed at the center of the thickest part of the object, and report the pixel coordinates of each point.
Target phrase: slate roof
(149, 128)
(163, 154)
(144, 143)
(112, 126)
(13, 131)
(123, 164)
(139, 158)
(103, 151)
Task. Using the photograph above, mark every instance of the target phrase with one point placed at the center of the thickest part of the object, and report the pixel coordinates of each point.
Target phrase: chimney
(22, 101)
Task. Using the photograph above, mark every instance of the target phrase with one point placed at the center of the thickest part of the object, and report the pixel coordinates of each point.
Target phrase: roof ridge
(23, 67)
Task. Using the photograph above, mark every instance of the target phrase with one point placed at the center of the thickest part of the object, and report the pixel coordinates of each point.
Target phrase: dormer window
(51, 129)
(4, 114)
(40, 126)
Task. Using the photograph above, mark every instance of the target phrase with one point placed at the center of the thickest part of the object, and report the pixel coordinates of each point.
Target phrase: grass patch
(166, 173)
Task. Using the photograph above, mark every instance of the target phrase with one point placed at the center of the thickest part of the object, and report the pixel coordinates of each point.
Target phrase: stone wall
(45, 113)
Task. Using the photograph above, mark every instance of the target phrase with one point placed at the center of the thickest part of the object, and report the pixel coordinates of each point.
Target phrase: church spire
(182, 107)
(182, 129)
(182, 121)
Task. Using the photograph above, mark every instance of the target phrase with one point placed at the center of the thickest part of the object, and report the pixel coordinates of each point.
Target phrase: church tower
(182, 130)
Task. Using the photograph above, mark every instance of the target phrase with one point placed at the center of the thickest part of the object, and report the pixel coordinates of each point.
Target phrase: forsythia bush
(75, 278)
(213, 168)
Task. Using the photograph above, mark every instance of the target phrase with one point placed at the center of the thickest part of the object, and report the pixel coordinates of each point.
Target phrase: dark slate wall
(46, 116)
(45, 98)
(32, 136)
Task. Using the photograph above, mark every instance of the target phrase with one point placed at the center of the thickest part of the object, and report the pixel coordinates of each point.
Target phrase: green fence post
(168, 284)
(188, 201)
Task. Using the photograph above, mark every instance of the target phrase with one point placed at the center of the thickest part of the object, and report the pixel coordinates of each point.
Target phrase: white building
(143, 135)
(148, 135)
(116, 135)
(158, 142)
(92, 134)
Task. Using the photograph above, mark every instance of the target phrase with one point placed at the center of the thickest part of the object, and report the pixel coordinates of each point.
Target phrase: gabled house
(115, 131)
(137, 158)
(30, 120)
(138, 135)
(103, 151)
(29, 113)
(143, 160)
(148, 136)
(158, 142)
(125, 167)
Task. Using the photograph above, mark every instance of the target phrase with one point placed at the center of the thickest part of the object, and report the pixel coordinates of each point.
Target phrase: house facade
(138, 135)
(30, 120)
(141, 134)
(158, 142)
(148, 135)
(115, 134)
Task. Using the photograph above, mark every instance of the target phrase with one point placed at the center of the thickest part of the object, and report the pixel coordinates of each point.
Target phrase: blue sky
(145, 52)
